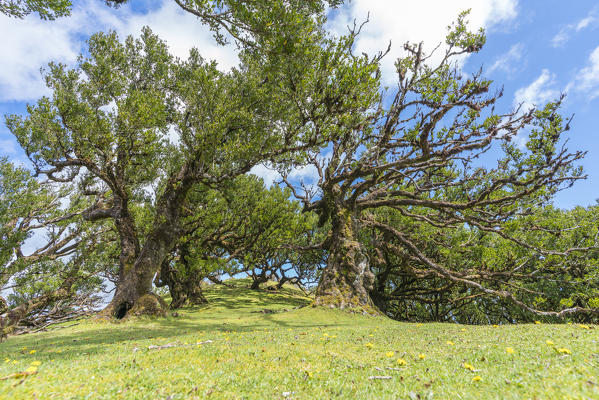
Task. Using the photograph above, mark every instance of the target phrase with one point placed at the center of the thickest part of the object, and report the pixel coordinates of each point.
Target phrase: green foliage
(548, 257)
(241, 226)
(19, 197)
(61, 274)
(46, 9)
(263, 24)
(108, 116)
(153, 153)
(411, 163)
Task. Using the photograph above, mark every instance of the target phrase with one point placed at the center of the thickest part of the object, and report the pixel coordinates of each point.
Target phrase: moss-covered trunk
(347, 279)
(133, 293)
(136, 270)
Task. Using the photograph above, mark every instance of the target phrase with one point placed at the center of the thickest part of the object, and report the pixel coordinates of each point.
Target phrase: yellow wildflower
(538, 322)
(469, 367)
(563, 350)
(449, 342)
(36, 363)
(401, 361)
(549, 342)
(509, 350)
(369, 345)
(15, 362)
(421, 356)
(463, 329)
(371, 335)
(584, 326)
(7, 360)
(495, 326)
(476, 378)
(32, 351)
(31, 370)
(390, 354)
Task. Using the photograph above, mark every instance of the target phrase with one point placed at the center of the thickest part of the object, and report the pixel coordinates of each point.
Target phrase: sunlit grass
(229, 350)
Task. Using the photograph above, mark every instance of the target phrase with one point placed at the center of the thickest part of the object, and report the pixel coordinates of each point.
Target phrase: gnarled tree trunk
(133, 293)
(347, 279)
(184, 286)
(135, 283)
(258, 278)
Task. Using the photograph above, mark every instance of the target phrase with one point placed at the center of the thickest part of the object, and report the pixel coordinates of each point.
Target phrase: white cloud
(31, 44)
(565, 33)
(560, 38)
(267, 174)
(510, 61)
(27, 46)
(415, 21)
(583, 23)
(307, 174)
(540, 91)
(587, 79)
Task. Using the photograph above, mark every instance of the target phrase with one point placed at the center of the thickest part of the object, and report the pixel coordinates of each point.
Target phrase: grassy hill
(263, 345)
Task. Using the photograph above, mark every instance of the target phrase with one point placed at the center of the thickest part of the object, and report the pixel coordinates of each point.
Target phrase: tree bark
(346, 280)
(135, 281)
(184, 286)
(258, 279)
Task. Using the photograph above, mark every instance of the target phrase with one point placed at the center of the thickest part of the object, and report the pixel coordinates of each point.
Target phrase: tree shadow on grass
(108, 339)
(103, 336)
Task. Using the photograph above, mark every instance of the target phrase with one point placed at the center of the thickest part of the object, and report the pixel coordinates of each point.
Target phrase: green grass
(311, 352)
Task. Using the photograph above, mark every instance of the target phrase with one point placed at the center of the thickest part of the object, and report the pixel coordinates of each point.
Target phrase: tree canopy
(424, 207)
(412, 157)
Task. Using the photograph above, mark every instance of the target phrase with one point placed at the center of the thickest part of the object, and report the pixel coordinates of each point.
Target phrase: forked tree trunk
(195, 295)
(347, 279)
(184, 293)
(133, 293)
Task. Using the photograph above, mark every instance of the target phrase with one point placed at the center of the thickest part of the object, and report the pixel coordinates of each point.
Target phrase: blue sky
(535, 49)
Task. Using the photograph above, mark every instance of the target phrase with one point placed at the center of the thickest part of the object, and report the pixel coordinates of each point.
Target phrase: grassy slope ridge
(305, 353)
